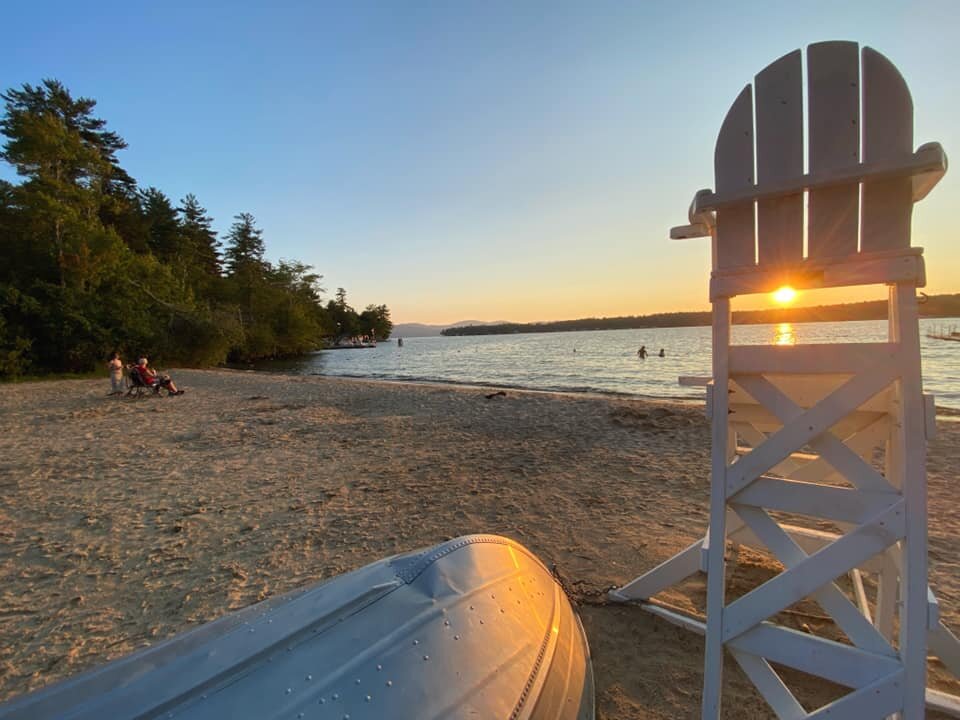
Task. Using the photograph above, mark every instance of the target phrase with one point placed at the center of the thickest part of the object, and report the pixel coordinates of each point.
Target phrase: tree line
(932, 306)
(91, 262)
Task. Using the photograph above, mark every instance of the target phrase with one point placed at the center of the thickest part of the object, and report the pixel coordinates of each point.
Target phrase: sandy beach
(124, 522)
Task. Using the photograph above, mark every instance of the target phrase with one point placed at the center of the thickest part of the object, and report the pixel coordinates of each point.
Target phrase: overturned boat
(475, 627)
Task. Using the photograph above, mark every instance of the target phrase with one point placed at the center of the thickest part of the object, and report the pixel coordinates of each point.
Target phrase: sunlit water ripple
(606, 360)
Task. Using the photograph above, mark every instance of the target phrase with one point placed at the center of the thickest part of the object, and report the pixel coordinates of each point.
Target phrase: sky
(470, 160)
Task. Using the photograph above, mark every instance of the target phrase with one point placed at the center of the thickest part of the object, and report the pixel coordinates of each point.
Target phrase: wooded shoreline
(933, 306)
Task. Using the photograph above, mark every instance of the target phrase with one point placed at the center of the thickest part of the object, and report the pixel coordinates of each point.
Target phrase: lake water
(606, 360)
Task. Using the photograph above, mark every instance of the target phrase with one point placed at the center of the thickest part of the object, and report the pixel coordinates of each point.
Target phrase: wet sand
(124, 522)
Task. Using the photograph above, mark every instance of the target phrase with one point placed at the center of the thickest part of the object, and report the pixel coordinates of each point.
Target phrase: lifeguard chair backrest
(859, 110)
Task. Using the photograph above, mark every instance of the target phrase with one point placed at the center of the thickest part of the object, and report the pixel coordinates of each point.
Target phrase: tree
(199, 237)
(245, 247)
(376, 321)
(91, 263)
(66, 157)
(162, 227)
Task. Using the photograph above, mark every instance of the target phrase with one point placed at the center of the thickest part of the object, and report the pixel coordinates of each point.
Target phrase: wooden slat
(888, 583)
(779, 110)
(936, 700)
(860, 593)
(913, 613)
(833, 94)
(807, 390)
(733, 170)
(876, 700)
(815, 500)
(810, 425)
(926, 167)
(810, 359)
(848, 463)
(887, 134)
(672, 571)
(943, 702)
(813, 573)
(862, 442)
(809, 540)
(945, 646)
(777, 695)
(765, 421)
(849, 619)
(717, 532)
(843, 664)
(905, 268)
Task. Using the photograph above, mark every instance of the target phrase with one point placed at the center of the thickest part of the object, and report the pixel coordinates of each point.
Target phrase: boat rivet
(203, 697)
(289, 690)
(309, 677)
(447, 623)
(336, 696)
(346, 717)
(322, 701)
(357, 681)
(369, 698)
(251, 629)
(471, 607)
(416, 642)
(456, 637)
(389, 683)
(269, 621)
(299, 715)
(379, 667)
(481, 622)
(426, 657)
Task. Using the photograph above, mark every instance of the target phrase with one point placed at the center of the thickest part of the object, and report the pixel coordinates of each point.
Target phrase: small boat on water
(475, 627)
(950, 333)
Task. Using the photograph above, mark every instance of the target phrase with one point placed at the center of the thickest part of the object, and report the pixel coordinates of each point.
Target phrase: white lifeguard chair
(811, 434)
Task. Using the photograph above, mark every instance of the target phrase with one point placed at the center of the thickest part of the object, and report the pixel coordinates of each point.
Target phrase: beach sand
(124, 522)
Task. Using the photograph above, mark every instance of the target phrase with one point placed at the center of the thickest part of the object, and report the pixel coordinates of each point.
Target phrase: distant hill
(932, 306)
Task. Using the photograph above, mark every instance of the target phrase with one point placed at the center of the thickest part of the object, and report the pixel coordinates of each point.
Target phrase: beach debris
(499, 393)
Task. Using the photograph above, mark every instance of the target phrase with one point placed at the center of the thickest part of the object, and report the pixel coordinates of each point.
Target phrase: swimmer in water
(642, 352)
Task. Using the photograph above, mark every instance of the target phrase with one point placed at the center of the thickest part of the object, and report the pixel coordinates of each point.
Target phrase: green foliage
(90, 263)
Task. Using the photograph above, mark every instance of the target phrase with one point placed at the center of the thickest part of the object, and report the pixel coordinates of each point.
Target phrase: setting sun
(785, 295)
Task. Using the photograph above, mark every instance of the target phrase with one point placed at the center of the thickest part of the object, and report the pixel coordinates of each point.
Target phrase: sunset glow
(785, 295)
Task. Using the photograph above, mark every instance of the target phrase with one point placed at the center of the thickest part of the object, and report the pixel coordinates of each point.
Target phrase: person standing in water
(115, 367)
(642, 352)
(662, 353)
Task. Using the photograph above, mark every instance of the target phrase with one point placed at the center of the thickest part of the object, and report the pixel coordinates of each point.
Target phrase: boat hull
(475, 627)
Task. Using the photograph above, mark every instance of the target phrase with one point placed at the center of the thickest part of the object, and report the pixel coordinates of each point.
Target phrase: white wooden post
(812, 416)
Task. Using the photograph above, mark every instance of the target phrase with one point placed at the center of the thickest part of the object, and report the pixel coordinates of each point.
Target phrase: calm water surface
(606, 360)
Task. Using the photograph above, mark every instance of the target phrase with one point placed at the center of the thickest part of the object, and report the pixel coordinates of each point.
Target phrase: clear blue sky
(490, 160)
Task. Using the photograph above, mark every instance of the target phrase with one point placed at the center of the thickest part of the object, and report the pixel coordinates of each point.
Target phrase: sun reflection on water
(783, 334)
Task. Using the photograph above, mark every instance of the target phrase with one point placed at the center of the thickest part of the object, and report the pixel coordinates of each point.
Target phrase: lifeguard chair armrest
(687, 232)
(701, 223)
(926, 166)
(877, 268)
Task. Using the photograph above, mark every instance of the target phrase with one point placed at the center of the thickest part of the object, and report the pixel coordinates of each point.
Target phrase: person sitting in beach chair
(145, 376)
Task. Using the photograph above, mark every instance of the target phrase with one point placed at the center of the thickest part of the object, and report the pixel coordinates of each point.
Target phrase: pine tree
(66, 157)
(245, 247)
(162, 227)
(199, 237)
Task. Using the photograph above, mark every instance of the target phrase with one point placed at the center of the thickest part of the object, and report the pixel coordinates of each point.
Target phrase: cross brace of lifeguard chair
(795, 429)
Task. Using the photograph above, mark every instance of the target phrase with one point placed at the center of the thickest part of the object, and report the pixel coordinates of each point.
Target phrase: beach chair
(137, 388)
(796, 430)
